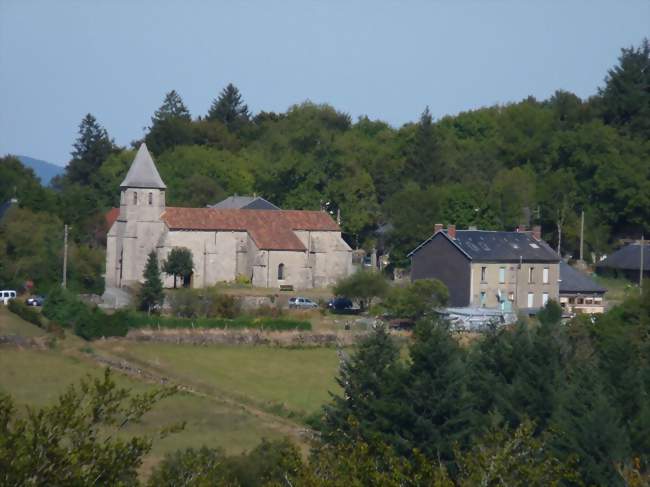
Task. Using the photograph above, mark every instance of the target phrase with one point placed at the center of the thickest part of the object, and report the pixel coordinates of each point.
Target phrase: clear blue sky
(387, 59)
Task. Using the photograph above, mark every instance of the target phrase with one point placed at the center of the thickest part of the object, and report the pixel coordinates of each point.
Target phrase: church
(271, 247)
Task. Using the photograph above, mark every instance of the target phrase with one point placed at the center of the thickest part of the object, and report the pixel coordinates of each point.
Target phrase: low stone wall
(247, 337)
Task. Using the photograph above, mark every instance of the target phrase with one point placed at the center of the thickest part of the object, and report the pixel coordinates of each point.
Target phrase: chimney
(451, 231)
(521, 228)
(437, 227)
(537, 232)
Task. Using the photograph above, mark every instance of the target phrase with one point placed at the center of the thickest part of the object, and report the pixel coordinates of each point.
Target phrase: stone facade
(271, 247)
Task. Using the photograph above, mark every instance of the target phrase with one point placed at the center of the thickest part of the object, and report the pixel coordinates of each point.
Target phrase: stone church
(272, 247)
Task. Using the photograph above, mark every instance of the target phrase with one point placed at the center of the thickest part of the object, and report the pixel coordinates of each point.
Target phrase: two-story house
(499, 270)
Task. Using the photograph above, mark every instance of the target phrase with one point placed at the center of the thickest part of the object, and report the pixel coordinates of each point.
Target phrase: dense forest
(535, 161)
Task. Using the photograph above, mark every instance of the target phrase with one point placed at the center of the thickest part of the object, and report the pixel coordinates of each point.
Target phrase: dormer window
(135, 197)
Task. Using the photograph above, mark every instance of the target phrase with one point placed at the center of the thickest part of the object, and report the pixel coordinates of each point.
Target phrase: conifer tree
(229, 108)
(172, 107)
(368, 381)
(91, 149)
(151, 293)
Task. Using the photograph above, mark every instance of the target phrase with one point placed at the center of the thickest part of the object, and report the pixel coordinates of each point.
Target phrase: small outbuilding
(579, 293)
(626, 262)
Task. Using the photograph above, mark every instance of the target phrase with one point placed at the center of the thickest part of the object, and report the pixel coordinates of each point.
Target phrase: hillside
(44, 170)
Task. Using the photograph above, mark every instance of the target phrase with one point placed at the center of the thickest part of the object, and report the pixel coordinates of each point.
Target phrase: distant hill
(43, 169)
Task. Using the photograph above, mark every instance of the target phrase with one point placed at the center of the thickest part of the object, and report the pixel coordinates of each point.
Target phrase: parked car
(302, 303)
(35, 301)
(7, 295)
(343, 305)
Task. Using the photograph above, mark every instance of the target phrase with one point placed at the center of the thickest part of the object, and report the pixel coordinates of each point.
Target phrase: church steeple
(143, 172)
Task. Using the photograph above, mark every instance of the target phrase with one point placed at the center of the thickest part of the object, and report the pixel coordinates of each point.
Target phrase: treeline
(495, 167)
(539, 404)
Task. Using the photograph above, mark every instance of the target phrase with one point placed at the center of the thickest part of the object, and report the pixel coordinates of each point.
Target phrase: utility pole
(641, 268)
(65, 256)
(582, 233)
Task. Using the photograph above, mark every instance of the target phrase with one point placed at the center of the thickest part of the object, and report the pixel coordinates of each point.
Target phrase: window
(281, 272)
(531, 273)
(150, 198)
(545, 275)
(544, 299)
(502, 275)
(482, 298)
(135, 197)
(483, 272)
(531, 300)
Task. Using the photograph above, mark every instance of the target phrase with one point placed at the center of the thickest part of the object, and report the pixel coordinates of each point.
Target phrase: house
(626, 262)
(303, 249)
(579, 293)
(245, 203)
(500, 270)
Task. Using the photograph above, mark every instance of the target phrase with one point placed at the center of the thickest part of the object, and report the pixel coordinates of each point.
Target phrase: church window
(281, 272)
(135, 197)
(150, 198)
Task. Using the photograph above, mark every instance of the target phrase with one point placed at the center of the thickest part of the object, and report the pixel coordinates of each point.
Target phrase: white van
(5, 296)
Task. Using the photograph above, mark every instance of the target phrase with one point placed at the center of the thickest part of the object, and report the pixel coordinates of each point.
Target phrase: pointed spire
(143, 172)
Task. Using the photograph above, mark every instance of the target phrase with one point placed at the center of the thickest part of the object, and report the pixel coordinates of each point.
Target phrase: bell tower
(139, 226)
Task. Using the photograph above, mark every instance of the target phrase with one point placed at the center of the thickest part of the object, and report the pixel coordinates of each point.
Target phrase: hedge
(263, 323)
(25, 312)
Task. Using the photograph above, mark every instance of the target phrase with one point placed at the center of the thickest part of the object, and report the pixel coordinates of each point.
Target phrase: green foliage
(91, 149)
(362, 285)
(194, 468)
(138, 320)
(179, 264)
(417, 299)
(151, 293)
(97, 324)
(27, 313)
(229, 108)
(63, 307)
(76, 440)
(550, 314)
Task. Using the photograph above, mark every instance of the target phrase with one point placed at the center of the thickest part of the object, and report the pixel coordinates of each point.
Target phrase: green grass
(617, 288)
(296, 381)
(11, 324)
(37, 378)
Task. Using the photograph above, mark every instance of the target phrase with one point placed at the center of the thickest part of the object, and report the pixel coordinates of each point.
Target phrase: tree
(191, 467)
(625, 98)
(229, 108)
(79, 440)
(91, 149)
(151, 293)
(416, 300)
(172, 107)
(179, 263)
(559, 200)
(423, 161)
(362, 285)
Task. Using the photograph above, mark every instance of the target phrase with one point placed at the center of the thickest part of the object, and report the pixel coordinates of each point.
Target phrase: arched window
(135, 197)
(281, 272)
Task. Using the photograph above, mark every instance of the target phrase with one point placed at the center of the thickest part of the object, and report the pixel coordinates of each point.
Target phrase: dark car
(35, 301)
(342, 305)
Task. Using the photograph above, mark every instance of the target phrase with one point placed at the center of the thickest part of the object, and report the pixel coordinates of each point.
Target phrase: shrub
(25, 312)
(184, 303)
(97, 324)
(243, 280)
(64, 307)
(140, 320)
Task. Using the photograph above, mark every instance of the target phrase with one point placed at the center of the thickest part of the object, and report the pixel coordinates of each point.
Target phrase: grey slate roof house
(579, 293)
(489, 269)
(245, 203)
(626, 262)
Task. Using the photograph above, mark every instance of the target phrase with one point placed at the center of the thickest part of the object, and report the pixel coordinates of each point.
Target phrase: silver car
(302, 303)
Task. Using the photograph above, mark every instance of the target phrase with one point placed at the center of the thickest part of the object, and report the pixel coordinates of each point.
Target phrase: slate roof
(245, 203)
(269, 230)
(628, 258)
(489, 246)
(572, 281)
(143, 172)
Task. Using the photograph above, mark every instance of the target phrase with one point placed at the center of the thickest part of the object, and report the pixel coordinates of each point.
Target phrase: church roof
(270, 230)
(143, 172)
(245, 203)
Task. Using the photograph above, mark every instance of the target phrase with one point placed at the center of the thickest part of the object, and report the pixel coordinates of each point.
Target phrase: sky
(385, 59)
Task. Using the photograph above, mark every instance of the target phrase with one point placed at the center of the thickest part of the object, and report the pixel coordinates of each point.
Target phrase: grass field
(11, 324)
(293, 382)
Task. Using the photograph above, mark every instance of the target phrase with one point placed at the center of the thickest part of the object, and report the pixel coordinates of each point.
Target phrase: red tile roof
(271, 230)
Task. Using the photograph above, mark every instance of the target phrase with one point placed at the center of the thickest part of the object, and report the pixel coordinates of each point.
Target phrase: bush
(25, 312)
(64, 307)
(140, 320)
(184, 303)
(209, 302)
(98, 324)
